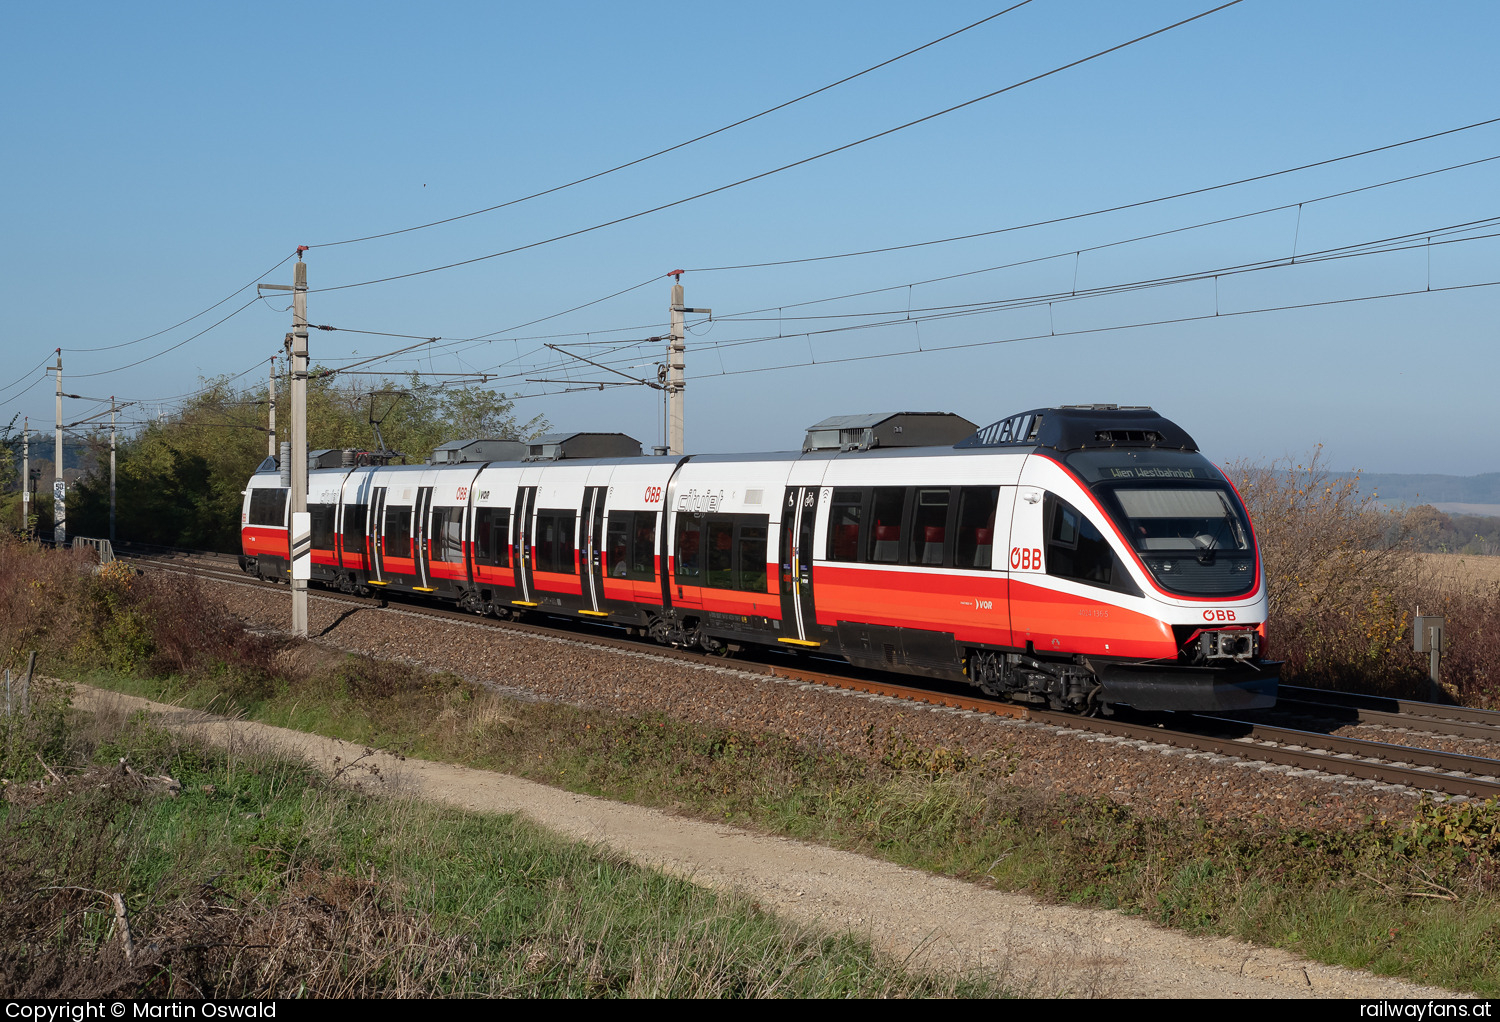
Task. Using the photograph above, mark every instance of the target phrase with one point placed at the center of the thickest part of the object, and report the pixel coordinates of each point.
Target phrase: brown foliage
(1344, 584)
(59, 603)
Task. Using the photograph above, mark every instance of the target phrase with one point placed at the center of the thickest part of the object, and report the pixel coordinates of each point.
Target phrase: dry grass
(1475, 573)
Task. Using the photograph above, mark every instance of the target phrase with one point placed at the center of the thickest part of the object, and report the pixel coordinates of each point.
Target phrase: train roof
(1061, 428)
(1080, 427)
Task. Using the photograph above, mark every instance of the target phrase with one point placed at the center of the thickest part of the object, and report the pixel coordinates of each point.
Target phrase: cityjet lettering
(694, 501)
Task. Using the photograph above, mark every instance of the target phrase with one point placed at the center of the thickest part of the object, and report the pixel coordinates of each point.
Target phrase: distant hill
(1398, 488)
(76, 454)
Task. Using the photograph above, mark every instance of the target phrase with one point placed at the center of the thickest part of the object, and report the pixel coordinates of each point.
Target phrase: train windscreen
(1186, 525)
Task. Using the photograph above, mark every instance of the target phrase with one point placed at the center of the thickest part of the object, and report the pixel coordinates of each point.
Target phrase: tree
(180, 479)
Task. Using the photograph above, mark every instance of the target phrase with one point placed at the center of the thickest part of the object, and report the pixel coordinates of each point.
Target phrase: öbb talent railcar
(1074, 557)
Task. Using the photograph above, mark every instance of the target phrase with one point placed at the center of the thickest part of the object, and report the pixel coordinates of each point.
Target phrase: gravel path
(930, 922)
(1150, 778)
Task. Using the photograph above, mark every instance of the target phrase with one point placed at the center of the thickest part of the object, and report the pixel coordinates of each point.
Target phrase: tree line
(179, 477)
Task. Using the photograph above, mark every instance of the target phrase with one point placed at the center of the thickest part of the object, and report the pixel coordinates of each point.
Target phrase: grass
(262, 879)
(1414, 899)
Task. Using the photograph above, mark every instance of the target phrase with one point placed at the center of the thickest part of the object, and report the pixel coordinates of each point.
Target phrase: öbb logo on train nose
(1027, 559)
(1218, 615)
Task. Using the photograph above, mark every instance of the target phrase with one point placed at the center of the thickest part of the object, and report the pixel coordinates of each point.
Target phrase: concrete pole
(59, 488)
(26, 477)
(299, 432)
(271, 432)
(676, 381)
(112, 410)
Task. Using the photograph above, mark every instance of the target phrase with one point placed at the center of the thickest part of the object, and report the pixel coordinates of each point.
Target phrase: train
(1076, 558)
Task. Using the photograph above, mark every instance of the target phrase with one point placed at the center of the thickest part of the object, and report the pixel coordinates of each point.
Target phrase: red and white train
(1075, 557)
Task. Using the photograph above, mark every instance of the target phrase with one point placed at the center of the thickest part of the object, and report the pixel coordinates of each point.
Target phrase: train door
(799, 512)
(591, 563)
(525, 508)
(373, 517)
(420, 530)
(1033, 608)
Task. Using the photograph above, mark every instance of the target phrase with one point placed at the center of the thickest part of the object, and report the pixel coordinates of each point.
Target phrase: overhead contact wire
(679, 145)
(789, 166)
(1098, 212)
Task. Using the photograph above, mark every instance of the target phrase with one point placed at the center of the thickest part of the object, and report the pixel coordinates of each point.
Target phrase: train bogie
(1075, 558)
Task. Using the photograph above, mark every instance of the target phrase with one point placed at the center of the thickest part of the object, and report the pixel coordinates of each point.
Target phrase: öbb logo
(653, 495)
(1027, 559)
(1218, 615)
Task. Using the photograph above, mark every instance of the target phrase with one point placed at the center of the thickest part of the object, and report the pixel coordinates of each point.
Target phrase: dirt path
(940, 923)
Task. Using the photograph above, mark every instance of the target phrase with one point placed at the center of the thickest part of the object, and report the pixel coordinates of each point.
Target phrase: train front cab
(1142, 563)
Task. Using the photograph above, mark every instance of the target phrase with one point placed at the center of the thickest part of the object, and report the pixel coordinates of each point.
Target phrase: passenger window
(689, 541)
(617, 545)
(320, 520)
(1075, 547)
(397, 534)
(843, 525)
(492, 536)
(720, 553)
(554, 542)
(929, 527)
(752, 554)
(643, 551)
(448, 534)
(886, 510)
(976, 527)
(354, 528)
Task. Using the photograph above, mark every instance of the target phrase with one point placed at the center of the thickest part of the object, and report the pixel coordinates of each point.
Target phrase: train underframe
(1234, 681)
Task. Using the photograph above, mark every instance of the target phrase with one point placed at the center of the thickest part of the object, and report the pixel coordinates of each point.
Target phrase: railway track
(1295, 751)
(1353, 708)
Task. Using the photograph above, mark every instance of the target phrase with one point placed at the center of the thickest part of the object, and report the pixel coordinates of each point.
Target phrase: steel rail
(1387, 706)
(1364, 760)
(1449, 762)
(1354, 716)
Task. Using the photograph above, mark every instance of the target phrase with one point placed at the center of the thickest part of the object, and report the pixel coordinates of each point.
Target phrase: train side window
(492, 536)
(320, 521)
(554, 542)
(975, 543)
(844, 518)
(689, 541)
(354, 528)
(643, 550)
(720, 554)
(617, 544)
(268, 506)
(750, 553)
(929, 527)
(397, 532)
(1075, 547)
(886, 511)
(448, 534)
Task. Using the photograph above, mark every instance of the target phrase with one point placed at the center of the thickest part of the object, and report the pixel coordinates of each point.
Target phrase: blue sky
(161, 156)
